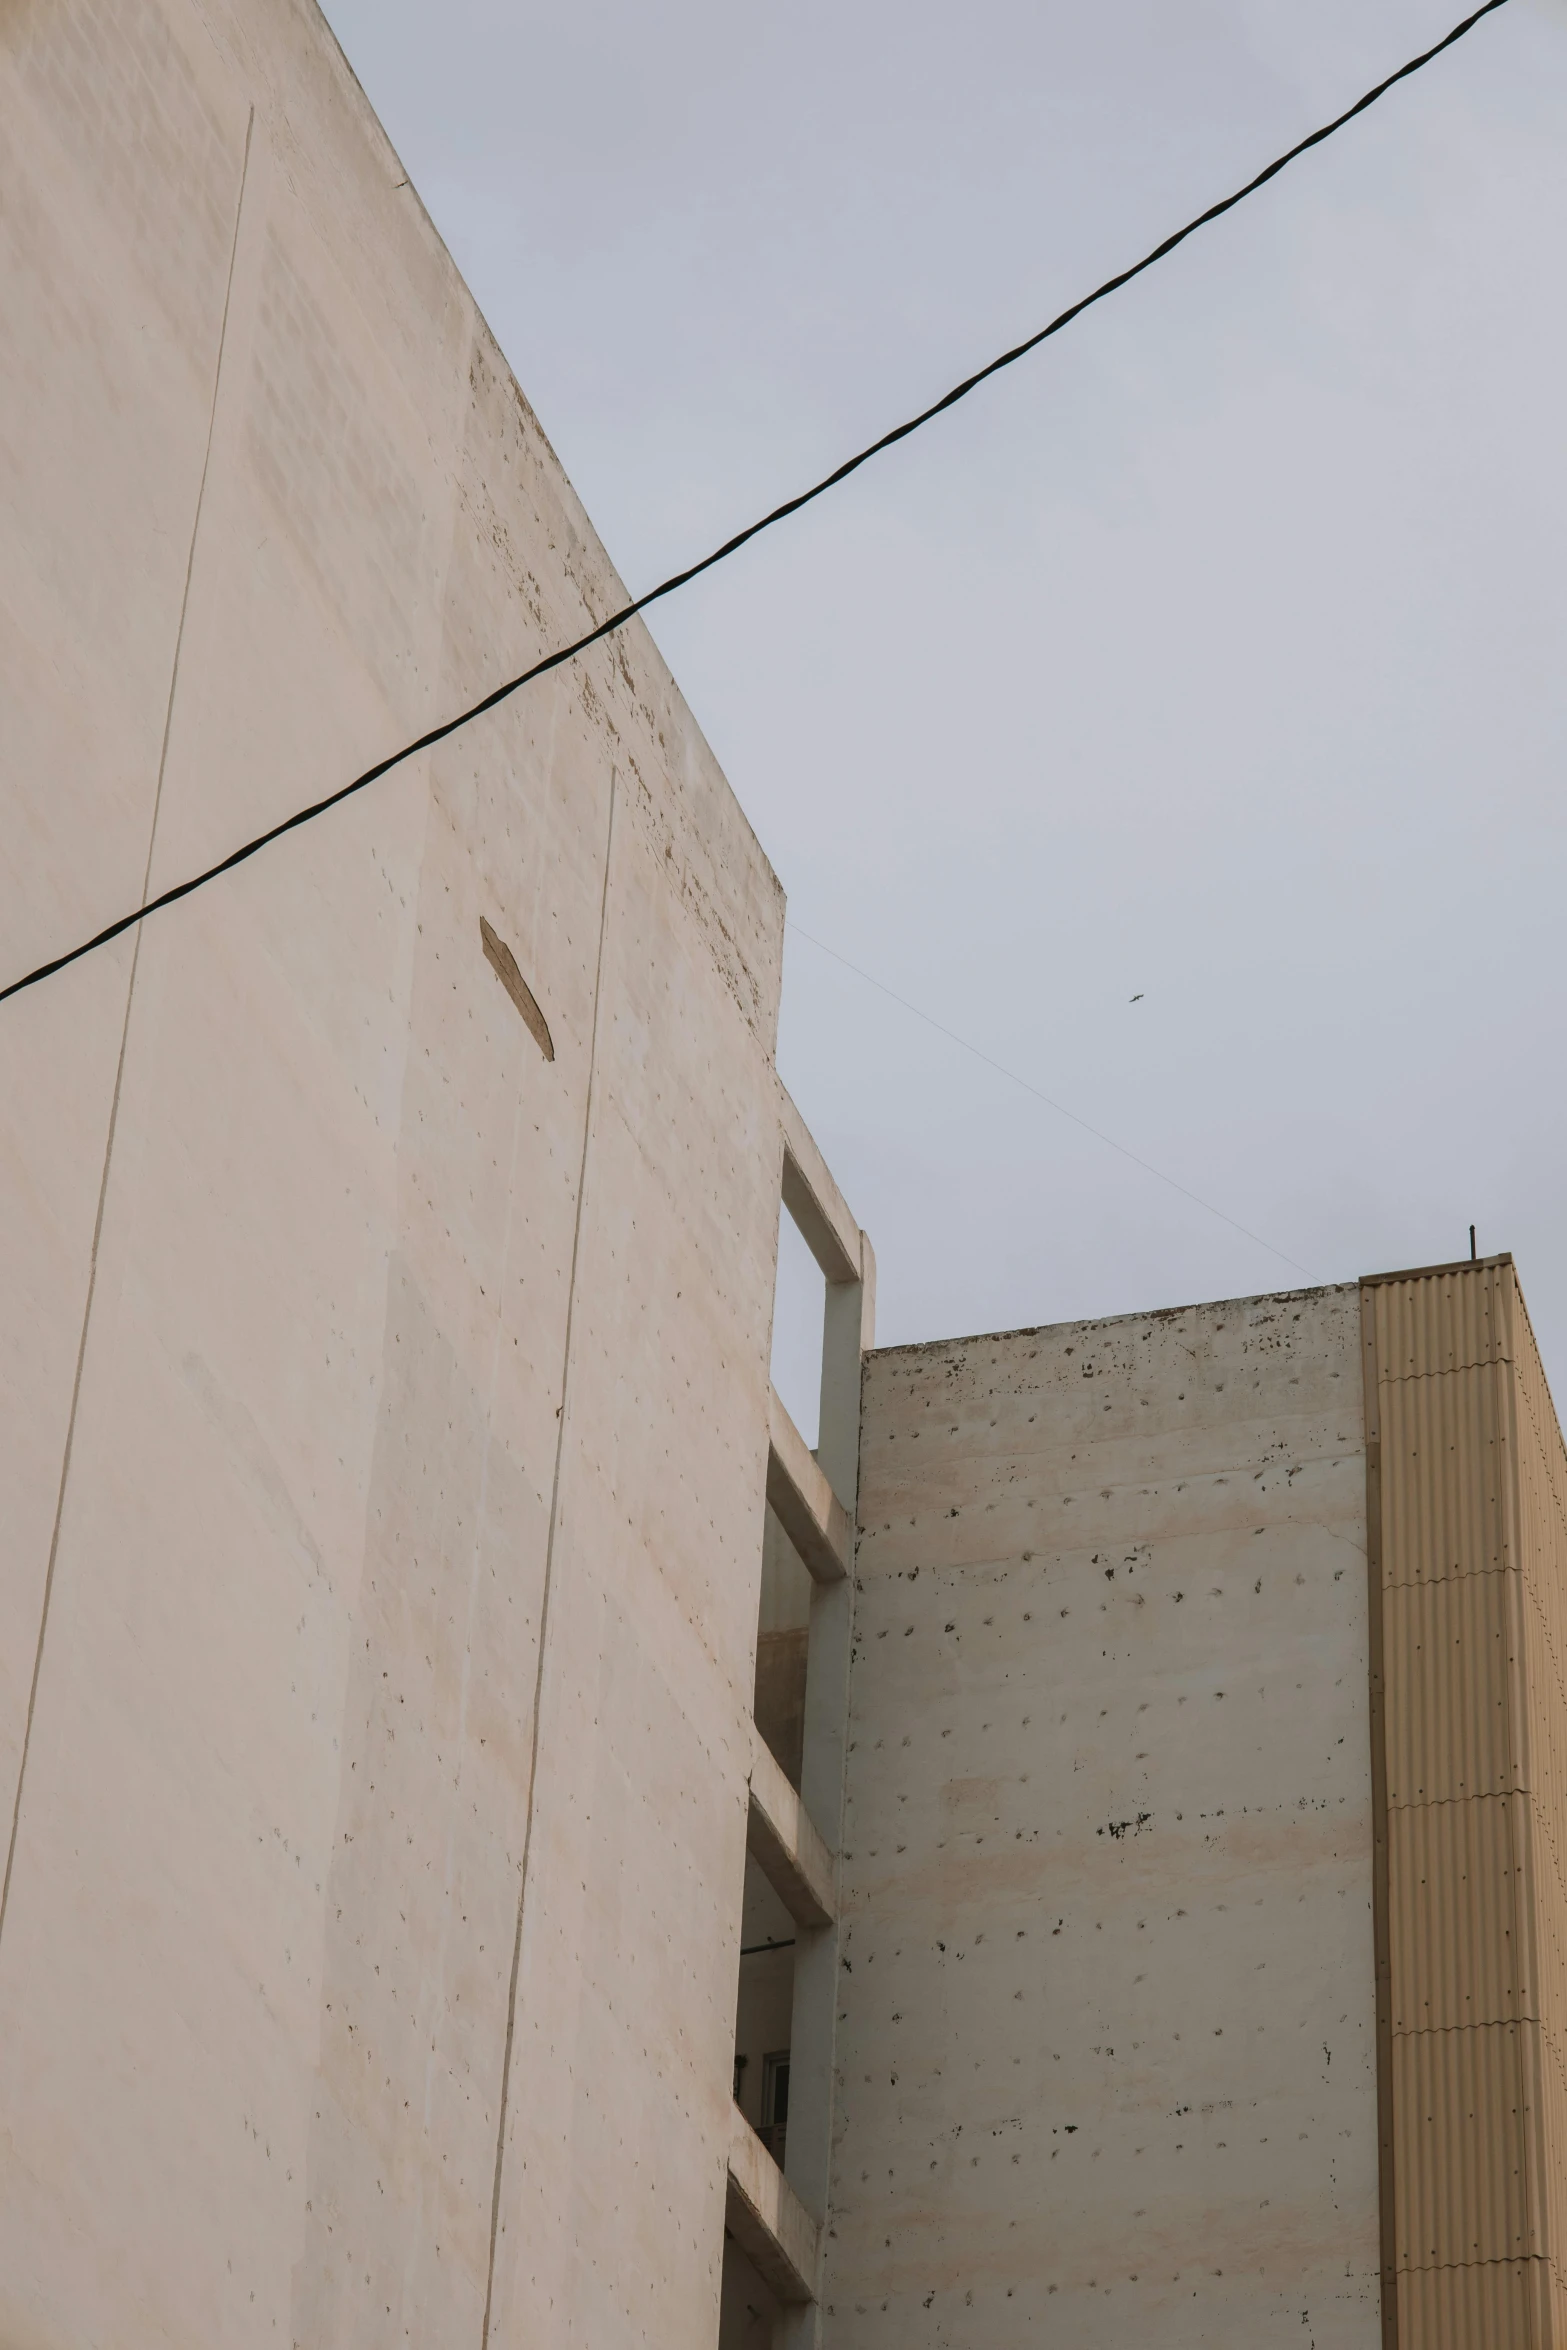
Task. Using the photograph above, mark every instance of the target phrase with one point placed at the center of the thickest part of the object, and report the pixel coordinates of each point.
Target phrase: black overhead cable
(679, 579)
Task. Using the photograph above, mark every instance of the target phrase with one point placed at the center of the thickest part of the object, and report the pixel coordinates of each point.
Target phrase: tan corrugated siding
(1480, 2308)
(1542, 1520)
(1447, 1439)
(1445, 1320)
(1463, 2116)
(1457, 1959)
(1542, 1544)
(1469, 1476)
(1451, 1655)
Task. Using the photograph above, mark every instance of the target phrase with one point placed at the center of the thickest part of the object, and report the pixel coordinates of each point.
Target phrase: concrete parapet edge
(810, 1513)
(767, 2219)
(786, 1846)
(814, 1201)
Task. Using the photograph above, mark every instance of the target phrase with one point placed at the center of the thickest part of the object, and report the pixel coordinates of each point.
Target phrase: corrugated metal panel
(1542, 1542)
(1543, 1923)
(1532, 1379)
(1446, 1454)
(1549, 1962)
(1470, 1477)
(1446, 1320)
(1450, 1661)
(1544, 1478)
(1516, 2302)
(1553, 2140)
(1464, 2115)
(1458, 1912)
(1542, 1539)
(1543, 1748)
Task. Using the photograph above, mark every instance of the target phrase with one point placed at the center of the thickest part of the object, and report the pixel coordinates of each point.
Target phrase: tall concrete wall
(383, 1407)
(1106, 2048)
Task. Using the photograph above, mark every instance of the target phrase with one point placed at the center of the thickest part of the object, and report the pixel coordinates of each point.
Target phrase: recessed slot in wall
(783, 1637)
(749, 2313)
(504, 965)
(799, 1314)
(764, 2012)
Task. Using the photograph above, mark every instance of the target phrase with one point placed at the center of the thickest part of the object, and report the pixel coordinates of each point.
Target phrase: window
(775, 2103)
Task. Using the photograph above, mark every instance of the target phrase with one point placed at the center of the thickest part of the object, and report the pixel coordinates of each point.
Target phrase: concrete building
(506, 1843)
(1201, 1873)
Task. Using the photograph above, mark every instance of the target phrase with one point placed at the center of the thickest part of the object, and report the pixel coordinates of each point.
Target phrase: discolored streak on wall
(1107, 2038)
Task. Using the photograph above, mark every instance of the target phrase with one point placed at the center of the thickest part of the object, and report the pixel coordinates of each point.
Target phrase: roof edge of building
(1152, 1314)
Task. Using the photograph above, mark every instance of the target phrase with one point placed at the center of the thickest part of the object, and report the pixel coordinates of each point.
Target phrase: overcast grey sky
(1214, 655)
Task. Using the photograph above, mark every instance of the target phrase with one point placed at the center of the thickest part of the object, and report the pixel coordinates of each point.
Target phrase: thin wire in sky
(741, 538)
(1049, 1100)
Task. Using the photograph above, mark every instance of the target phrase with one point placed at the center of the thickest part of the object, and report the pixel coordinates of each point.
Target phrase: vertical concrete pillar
(844, 1255)
(848, 1329)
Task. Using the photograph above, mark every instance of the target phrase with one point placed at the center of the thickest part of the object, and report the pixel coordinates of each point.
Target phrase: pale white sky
(1214, 654)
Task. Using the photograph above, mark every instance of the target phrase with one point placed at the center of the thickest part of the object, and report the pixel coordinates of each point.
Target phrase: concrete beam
(810, 1513)
(785, 1845)
(815, 1202)
(767, 2219)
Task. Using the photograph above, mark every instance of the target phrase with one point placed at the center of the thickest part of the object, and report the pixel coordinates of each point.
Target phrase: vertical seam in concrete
(413, 2245)
(125, 1029)
(549, 1568)
(1381, 1883)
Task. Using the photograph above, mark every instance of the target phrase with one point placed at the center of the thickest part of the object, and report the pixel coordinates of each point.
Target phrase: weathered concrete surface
(390, 1323)
(803, 1501)
(1106, 2040)
(751, 2309)
(785, 1844)
(772, 2226)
